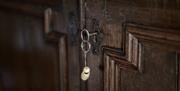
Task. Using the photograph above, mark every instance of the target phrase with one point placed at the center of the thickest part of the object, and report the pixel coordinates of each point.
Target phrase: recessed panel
(159, 72)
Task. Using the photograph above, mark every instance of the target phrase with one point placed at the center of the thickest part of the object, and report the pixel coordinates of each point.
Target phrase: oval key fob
(85, 73)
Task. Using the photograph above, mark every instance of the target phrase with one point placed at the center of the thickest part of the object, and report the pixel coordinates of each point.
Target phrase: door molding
(131, 54)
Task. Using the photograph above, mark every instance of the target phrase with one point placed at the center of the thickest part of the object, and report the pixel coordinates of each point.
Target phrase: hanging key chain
(85, 46)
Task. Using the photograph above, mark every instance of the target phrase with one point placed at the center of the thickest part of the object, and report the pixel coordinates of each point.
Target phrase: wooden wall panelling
(56, 38)
(62, 64)
(20, 8)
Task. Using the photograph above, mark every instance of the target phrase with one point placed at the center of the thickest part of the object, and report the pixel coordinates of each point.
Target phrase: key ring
(83, 46)
(83, 37)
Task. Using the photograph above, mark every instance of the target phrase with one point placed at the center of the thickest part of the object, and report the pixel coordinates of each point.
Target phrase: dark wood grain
(131, 56)
(28, 63)
(35, 2)
(59, 39)
(27, 9)
(141, 45)
(36, 48)
(136, 48)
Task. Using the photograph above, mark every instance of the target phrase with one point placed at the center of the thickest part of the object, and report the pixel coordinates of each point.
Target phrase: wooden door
(40, 45)
(36, 47)
(140, 48)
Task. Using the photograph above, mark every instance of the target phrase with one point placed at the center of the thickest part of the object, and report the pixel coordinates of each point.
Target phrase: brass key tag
(85, 73)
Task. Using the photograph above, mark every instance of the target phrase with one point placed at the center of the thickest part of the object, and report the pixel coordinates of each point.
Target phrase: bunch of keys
(85, 46)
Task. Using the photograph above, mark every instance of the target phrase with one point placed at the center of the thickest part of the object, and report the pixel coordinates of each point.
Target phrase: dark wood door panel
(159, 13)
(159, 73)
(155, 77)
(151, 61)
(135, 58)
